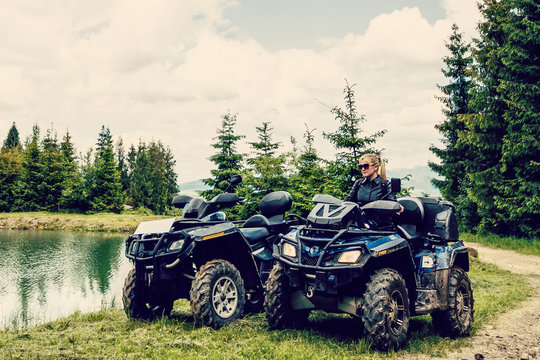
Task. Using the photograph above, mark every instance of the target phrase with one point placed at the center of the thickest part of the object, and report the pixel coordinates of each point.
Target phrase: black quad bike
(204, 257)
(342, 261)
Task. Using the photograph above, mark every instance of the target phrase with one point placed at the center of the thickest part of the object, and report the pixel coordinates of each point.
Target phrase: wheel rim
(462, 303)
(224, 297)
(396, 315)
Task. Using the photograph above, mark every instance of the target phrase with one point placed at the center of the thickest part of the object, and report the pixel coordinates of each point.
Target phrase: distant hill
(420, 179)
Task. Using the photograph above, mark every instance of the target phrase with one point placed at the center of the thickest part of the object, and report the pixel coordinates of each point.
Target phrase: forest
(489, 160)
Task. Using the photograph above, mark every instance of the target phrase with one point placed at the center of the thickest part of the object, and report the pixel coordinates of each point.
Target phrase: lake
(46, 275)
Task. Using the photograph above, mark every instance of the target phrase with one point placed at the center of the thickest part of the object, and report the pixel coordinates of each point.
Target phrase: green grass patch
(520, 245)
(110, 335)
(102, 222)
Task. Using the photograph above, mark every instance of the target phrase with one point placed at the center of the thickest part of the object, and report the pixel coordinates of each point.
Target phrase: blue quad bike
(341, 260)
(219, 266)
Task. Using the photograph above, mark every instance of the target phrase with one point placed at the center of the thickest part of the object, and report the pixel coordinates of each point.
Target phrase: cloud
(169, 70)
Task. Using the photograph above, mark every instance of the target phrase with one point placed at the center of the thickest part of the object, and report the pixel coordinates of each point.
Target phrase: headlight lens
(349, 257)
(177, 245)
(288, 250)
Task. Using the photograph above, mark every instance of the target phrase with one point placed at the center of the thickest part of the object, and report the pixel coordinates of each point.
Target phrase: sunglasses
(364, 166)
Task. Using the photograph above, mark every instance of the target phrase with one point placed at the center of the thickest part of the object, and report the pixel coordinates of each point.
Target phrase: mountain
(420, 179)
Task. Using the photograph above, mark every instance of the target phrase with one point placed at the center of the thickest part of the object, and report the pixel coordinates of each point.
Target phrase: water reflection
(47, 275)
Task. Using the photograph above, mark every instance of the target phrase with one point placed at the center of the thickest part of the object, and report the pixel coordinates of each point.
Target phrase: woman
(372, 186)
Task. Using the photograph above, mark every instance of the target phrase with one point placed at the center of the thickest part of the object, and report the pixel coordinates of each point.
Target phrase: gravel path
(516, 334)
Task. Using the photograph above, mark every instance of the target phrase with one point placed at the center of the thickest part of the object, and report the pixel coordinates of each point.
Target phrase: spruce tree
(10, 170)
(71, 187)
(310, 177)
(53, 173)
(454, 155)
(31, 176)
(266, 172)
(12, 141)
(227, 160)
(106, 193)
(122, 165)
(349, 142)
(503, 129)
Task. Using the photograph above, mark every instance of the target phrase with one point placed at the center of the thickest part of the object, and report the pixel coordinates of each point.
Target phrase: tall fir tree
(10, 170)
(53, 173)
(26, 193)
(310, 177)
(122, 165)
(71, 196)
(106, 193)
(227, 159)
(266, 172)
(349, 141)
(12, 140)
(454, 155)
(503, 129)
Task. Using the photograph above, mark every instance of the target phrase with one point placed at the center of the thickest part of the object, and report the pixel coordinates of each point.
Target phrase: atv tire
(277, 302)
(135, 306)
(458, 318)
(385, 311)
(217, 294)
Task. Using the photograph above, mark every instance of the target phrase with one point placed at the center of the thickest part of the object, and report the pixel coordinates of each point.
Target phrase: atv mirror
(395, 184)
(235, 179)
(180, 201)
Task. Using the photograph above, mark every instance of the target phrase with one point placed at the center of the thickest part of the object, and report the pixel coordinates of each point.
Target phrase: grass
(102, 222)
(108, 334)
(520, 245)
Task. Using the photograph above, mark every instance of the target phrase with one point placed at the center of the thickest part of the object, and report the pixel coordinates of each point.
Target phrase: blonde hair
(375, 159)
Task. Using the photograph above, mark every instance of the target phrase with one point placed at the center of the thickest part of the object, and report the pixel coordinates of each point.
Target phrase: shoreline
(102, 222)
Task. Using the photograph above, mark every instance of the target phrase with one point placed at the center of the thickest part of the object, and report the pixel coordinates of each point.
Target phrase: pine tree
(310, 177)
(10, 170)
(106, 193)
(227, 159)
(349, 141)
(517, 198)
(266, 172)
(454, 155)
(122, 165)
(53, 173)
(71, 187)
(31, 176)
(12, 141)
(503, 129)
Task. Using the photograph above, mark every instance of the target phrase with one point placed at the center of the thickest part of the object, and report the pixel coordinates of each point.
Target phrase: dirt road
(516, 334)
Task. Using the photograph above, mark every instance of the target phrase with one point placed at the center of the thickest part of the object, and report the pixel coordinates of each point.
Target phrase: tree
(454, 155)
(31, 176)
(349, 142)
(227, 159)
(266, 172)
(52, 173)
(10, 170)
(106, 193)
(122, 165)
(504, 125)
(310, 177)
(72, 194)
(12, 141)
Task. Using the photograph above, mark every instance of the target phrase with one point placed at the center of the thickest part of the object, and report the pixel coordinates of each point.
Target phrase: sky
(170, 69)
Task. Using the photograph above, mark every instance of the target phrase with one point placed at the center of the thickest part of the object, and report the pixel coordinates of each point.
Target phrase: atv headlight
(288, 250)
(176, 245)
(349, 257)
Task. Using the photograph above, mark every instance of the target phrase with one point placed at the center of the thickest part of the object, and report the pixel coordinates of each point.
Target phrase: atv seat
(429, 218)
(273, 207)
(412, 217)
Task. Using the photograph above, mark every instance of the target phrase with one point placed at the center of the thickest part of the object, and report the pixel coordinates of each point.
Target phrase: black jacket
(365, 191)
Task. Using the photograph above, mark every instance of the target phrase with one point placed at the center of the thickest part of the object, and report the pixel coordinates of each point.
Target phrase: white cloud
(168, 70)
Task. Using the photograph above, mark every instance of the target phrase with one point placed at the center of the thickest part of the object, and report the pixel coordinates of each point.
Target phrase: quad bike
(218, 266)
(341, 261)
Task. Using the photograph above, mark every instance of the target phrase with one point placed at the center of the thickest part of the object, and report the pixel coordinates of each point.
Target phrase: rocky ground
(516, 334)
